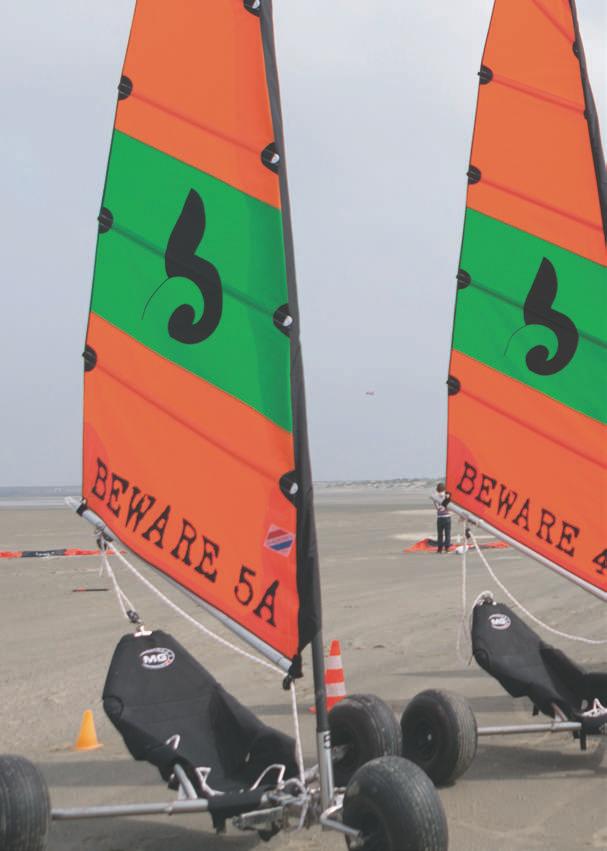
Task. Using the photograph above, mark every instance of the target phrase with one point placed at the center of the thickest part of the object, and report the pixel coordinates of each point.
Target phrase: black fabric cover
(516, 656)
(156, 690)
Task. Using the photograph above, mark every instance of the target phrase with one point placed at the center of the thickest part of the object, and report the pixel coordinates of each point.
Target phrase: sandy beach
(396, 616)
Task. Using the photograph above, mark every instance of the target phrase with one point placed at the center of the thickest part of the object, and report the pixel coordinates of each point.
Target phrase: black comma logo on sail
(538, 310)
(181, 261)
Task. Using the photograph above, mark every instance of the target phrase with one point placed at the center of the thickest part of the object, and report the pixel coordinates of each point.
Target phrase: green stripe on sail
(246, 355)
(503, 263)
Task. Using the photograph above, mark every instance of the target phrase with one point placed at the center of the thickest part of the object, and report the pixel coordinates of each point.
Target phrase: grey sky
(378, 99)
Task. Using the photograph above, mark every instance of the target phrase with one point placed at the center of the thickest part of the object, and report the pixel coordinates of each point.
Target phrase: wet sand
(396, 616)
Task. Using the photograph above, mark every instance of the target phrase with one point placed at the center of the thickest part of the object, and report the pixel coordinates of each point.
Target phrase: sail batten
(527, 429)
(195, 446)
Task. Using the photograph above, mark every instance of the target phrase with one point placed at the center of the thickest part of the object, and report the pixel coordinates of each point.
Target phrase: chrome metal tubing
(553, 727)
(323, 735)
(170, 808)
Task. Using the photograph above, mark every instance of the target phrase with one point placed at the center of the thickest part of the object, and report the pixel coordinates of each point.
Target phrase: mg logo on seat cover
(158, 657)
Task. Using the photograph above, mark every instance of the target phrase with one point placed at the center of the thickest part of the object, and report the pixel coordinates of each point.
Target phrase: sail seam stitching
(224, 137)
(235, 294)
(514, 303)
(509, 415)
(540, 94)
(552, 20)
(267, 475)
(553, 209)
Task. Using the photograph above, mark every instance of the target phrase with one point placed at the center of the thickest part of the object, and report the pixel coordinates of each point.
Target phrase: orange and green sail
(195, 447)
(527, 436)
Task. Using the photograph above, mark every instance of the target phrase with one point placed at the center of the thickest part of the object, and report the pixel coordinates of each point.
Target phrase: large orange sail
(527, 436)
(195, 447)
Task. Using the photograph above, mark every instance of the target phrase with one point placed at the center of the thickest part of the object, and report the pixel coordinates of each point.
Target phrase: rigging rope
(526, 611)
(464, 631)
(208, 632)
(124, 601)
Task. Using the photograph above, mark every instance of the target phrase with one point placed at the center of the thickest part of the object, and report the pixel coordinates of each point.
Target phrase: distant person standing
(441, 499)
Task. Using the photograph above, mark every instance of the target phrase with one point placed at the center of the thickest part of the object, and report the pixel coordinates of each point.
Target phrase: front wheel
(394, 805)
(363, 728)
(439, 734)
(25, 810)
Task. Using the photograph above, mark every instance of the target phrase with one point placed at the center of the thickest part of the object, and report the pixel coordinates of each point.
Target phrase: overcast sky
(378, 99)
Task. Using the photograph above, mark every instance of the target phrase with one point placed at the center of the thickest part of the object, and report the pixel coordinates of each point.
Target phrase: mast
(307, 552)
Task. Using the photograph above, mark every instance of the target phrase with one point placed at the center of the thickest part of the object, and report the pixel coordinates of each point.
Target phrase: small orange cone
(335, 680)
(87, 737)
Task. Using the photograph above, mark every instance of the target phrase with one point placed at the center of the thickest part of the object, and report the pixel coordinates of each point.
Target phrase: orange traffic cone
(335, 680)
(87, 737)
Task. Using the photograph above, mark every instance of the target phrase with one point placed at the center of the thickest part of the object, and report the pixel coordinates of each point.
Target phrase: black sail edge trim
(253, 6)
(105, 219)
(308, 582)
(90, 358)
(475, 121)
(282, 319)
(125, 87)
(270, 157)
(290, 486)
(474, 174)
(485, 74)
(453, 385)
(592, 120)
(463, 279)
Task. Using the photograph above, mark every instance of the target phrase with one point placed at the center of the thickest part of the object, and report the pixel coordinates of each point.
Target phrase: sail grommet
(463, 279)
(289, 486)
(253, 6)
(453, 385)
(270, 157)
(485, 75)
(125, 87)
(90, 358)
(474, 174)
(282, 319)
(105, 219)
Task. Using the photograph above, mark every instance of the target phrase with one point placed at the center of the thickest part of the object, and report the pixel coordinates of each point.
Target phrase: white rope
(123, 601)
(463, 645)
(297, 731)
(525, 611)
(209, 633)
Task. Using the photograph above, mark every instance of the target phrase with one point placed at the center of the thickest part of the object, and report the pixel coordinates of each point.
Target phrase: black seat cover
(515, 655)
(169, 709)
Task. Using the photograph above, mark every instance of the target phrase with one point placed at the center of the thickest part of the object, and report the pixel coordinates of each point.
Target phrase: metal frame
(548, 727)
(274, 812)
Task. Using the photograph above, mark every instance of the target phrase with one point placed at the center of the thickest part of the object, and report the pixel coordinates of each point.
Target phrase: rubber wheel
(25, 810)
(368, 729)
(395, 806)
(439, 734)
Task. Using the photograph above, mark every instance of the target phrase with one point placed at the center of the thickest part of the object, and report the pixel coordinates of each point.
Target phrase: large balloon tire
(367, 728)
(395, 806)
(439, 734)
(25, 810)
